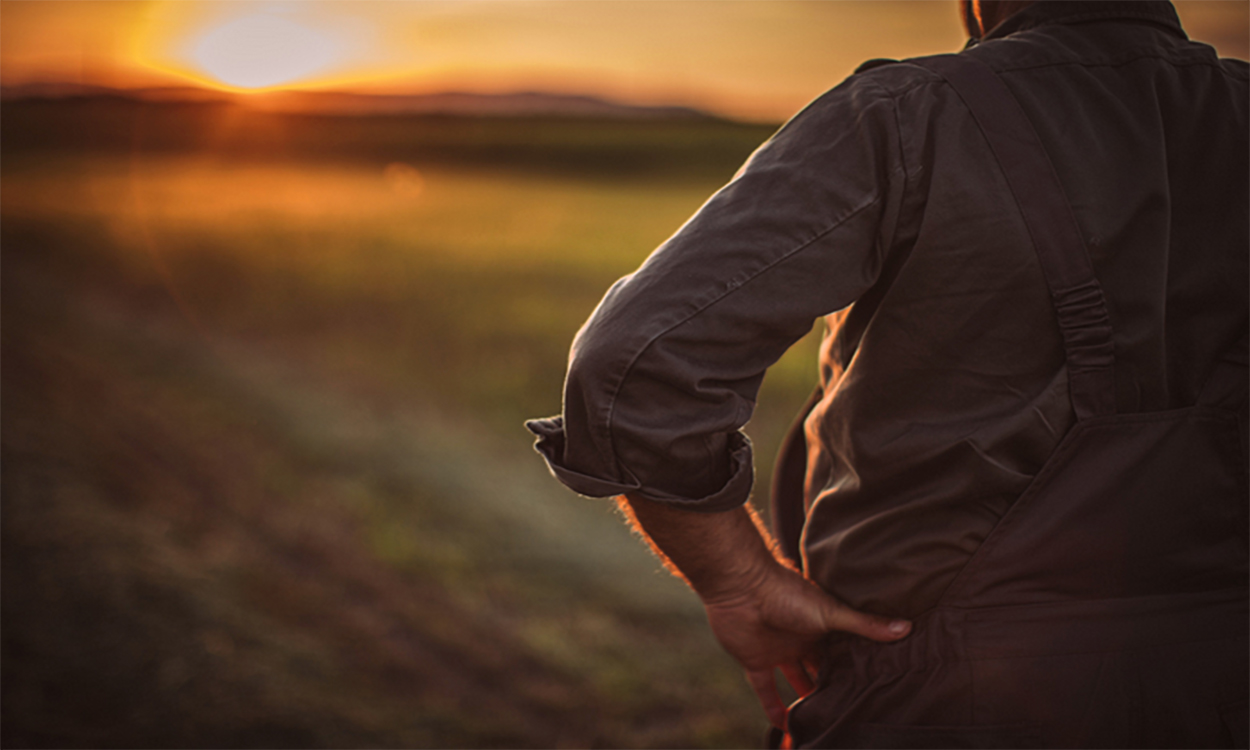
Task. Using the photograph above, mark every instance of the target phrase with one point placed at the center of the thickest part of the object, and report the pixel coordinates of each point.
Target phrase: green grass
(265, 477)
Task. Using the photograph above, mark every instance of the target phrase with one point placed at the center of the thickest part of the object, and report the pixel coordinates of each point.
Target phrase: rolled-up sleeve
(664, 374)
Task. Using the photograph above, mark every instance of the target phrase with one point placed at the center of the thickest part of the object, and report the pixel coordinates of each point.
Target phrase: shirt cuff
(733, 493)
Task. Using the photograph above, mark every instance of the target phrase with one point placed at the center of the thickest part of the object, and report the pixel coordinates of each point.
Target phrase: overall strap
(1077, 296)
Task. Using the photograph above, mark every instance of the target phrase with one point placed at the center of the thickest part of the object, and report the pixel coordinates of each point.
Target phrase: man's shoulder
(1235, 68)
(882, 78)
(869, 95)
(876, 62)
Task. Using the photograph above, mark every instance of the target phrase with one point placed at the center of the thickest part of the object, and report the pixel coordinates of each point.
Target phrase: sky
(751, 59)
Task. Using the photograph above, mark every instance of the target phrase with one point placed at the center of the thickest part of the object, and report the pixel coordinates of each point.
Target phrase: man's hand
(764, 613)
(778, 623)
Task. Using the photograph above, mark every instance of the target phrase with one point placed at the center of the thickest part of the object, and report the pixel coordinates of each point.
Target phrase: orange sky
(745, 58)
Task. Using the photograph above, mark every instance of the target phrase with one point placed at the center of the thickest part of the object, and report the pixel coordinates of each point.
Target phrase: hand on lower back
(766, 615)
(777, 622)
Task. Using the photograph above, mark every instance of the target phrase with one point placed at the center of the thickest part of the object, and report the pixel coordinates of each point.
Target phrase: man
(1026, 467)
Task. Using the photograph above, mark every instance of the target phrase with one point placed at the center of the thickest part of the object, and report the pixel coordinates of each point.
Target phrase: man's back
(1068, 533)
(946, 394)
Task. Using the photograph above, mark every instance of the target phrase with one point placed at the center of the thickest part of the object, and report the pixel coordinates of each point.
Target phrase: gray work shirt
(881, 207)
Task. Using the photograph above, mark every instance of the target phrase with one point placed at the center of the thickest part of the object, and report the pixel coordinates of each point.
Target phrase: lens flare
(264, 50)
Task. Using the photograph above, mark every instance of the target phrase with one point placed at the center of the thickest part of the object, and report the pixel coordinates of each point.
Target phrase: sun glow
(264, 50)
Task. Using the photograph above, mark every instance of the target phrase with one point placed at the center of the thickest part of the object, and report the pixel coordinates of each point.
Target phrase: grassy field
(265, 480)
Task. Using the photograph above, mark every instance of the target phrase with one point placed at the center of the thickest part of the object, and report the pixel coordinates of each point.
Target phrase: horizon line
(298, 100)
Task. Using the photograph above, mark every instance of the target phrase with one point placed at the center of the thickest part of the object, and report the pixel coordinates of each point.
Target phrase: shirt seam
(908, 176)
(898, 129)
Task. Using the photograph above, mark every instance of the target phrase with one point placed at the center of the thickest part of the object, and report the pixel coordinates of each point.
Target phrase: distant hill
(534, 132)
(461, 103)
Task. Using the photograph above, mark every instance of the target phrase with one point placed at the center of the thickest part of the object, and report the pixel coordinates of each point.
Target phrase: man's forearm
(717, 553)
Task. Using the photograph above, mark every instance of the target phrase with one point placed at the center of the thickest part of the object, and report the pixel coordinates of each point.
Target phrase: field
(265, 482)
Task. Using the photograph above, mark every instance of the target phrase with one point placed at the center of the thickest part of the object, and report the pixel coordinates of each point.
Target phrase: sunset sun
(264, 50)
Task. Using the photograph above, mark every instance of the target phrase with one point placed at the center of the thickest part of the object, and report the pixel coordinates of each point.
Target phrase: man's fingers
(798, 678)
(838, 616)
(765, 686)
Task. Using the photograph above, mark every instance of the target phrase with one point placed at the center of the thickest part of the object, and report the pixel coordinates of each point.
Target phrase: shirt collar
(1045, 12)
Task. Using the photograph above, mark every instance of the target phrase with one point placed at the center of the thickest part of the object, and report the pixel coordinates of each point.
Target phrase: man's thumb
(838, 616)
